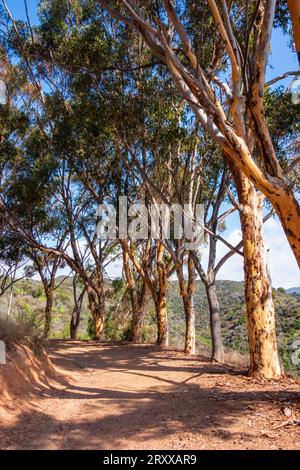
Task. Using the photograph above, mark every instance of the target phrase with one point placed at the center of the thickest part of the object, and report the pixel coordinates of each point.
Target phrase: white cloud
(233, 268)
(283, 266)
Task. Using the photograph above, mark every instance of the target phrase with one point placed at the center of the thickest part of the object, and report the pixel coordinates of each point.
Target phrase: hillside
(293, 291)
(231, 295)
(29, 301)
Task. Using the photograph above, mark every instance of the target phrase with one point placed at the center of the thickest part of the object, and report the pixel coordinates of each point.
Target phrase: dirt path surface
(137, 397)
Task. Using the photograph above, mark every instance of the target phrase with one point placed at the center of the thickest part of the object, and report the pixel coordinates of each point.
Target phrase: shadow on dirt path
(138, 397)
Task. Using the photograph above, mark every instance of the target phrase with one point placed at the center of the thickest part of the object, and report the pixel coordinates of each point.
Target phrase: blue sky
(283, 267)
(18, 10)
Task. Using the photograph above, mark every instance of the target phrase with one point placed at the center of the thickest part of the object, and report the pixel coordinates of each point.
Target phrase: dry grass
(236, 358)
(23, 331)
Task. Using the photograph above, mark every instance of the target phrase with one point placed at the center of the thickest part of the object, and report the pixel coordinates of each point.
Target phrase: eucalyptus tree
(233, 115)
(144, 142)
(138, 297)
(197, 176)
(47, 266)
(13, 262)
(45, 96)
(26, 178)
(89, 255)
(27, 187)
(57, 229)
(246, 48)
(110, 122)
(65, 59)
(13, 122)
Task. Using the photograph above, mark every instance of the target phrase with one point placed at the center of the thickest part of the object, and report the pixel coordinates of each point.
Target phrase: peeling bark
(190, 337)
(161, 299)
(162, 320)
(263, 348)
(187, 291)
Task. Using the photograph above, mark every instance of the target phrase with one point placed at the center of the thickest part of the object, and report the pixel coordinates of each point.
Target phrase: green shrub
(65, 332)
(38, 293)
(281, 290)
(91, 328)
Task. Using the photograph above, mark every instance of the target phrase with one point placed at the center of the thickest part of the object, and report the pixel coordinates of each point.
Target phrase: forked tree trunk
(264, 356)
(158, 289)
(217, 354)
(75, 317)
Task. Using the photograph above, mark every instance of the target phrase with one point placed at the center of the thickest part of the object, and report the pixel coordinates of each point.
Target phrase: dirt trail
(137, 397)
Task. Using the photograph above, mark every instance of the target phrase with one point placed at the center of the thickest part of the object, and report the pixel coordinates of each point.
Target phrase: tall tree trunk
(48, 311)
(138, 314)
(162, 320)
(75, 321)
(161, 299)
(138, 300)
(97, 308)
(187, 294)
(264, 356)
(217, 354)
(10, 302)
(12, 291)
(190, 337)
(136, 331)
(209, 281)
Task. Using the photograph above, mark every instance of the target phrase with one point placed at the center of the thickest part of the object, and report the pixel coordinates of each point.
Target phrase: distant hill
(293, 291)
(29, 300)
